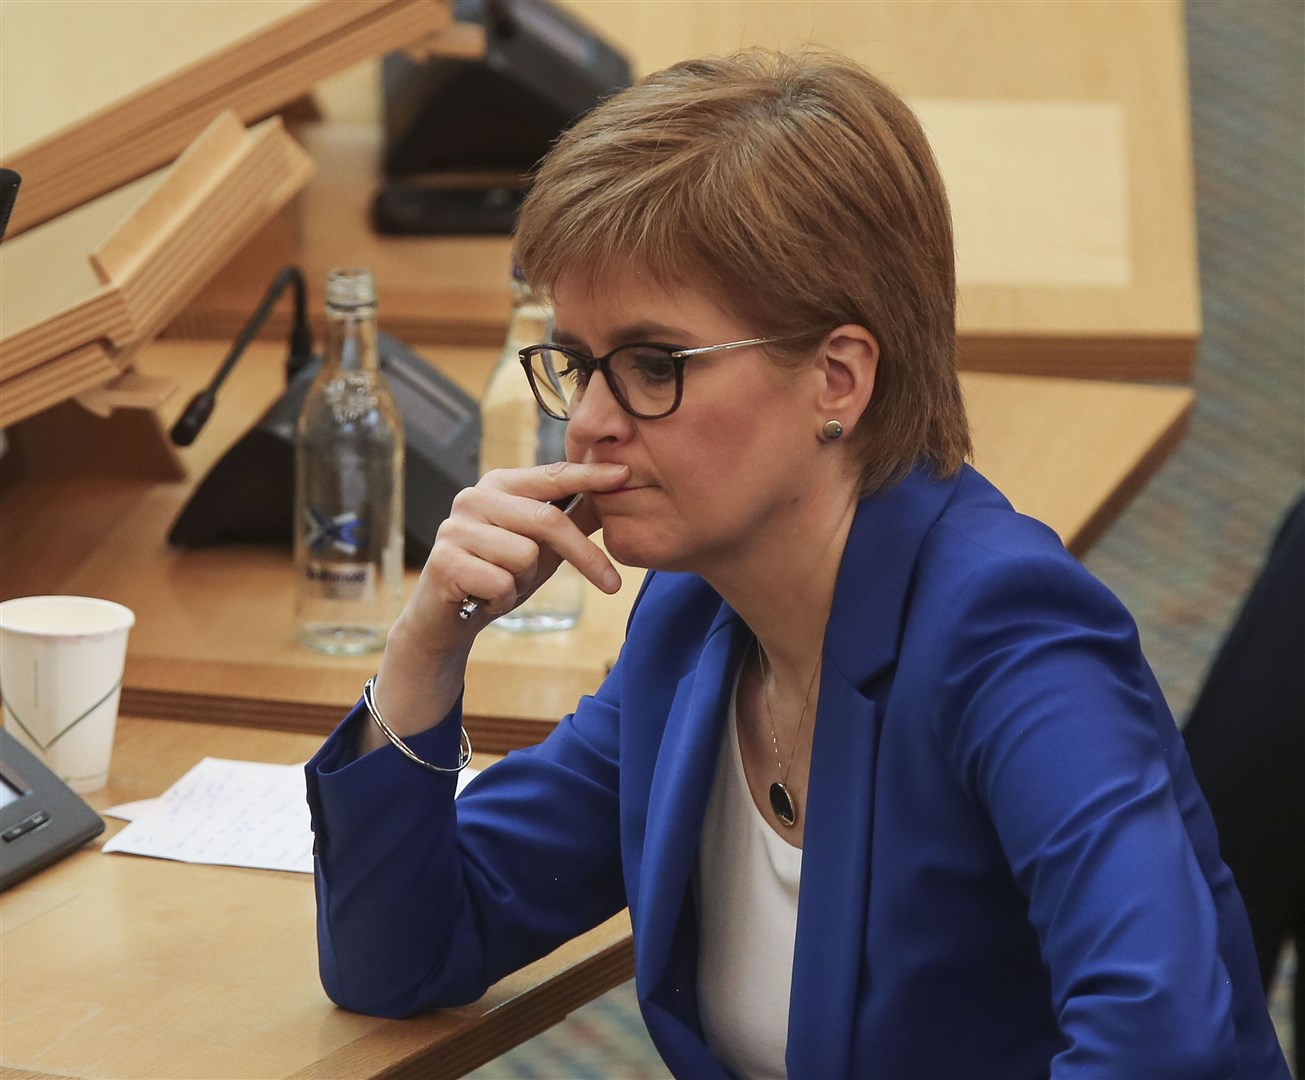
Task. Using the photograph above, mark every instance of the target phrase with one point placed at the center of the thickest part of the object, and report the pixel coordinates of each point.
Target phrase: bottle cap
(350, 287)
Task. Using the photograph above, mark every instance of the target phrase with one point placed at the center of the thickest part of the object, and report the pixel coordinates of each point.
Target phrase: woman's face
(729, 471)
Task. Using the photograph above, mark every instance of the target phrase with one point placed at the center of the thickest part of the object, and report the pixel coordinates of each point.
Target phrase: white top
(747, 917)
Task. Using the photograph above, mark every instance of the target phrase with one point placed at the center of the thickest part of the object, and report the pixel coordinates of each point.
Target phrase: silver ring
(470, 607)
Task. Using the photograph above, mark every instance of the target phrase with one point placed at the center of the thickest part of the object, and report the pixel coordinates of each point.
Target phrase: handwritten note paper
(232, 813)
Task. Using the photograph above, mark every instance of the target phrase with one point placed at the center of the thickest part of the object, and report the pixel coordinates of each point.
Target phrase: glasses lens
(648, 378)
(556, 380)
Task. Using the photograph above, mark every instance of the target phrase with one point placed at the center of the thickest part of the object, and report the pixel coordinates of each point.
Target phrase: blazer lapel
(860, 648)
(677, 803)
(833, 895)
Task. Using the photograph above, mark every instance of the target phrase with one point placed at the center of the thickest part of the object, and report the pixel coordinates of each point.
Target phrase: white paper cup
(61, 662)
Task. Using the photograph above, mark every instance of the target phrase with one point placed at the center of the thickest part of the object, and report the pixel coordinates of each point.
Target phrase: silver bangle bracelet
(369, 699)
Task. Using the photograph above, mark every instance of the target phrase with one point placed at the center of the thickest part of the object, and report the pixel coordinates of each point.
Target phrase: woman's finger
(456, 573)
(558, 480)
(542, 522)
(561, 536)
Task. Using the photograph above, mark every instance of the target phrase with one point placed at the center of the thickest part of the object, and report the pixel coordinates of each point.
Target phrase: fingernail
(612, 579)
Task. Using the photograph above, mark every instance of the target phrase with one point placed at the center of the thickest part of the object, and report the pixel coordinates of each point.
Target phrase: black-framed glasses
(646, 378)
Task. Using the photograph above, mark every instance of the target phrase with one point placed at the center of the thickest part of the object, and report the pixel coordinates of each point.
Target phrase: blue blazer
(1008, 869)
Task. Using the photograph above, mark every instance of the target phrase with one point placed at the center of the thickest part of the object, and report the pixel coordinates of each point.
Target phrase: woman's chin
(632, 546)
(627, 555)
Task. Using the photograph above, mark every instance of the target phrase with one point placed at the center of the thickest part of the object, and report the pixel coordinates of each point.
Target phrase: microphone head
(194, 418)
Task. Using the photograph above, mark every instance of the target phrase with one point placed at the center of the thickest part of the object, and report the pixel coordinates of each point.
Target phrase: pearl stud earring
(832, 430)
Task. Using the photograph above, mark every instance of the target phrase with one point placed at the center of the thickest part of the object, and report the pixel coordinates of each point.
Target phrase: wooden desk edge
(521, 1017)
(490, 734)
(1135, 358)
(1136, 479)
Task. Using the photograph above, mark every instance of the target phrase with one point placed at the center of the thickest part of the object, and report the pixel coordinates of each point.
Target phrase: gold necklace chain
(781, 800)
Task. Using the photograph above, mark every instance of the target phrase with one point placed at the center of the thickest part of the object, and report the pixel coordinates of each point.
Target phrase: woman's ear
(848, 364)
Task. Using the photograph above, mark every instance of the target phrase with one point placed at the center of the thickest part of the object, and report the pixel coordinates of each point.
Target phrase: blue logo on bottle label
(342, 534)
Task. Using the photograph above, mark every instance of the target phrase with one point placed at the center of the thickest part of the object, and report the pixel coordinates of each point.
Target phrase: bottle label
(351, 397)
(342, 581)
(335, 534)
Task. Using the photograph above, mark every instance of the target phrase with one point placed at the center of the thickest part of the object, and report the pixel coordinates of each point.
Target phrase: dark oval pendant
(782, 803)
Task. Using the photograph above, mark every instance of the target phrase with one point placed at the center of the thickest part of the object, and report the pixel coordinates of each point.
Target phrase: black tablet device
(41, 818)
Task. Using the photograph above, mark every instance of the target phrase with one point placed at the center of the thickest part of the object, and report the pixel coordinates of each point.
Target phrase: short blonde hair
(800, 193)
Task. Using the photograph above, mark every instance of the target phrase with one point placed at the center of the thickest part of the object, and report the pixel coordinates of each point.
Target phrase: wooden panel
(1038, 190)
(153, 245)
(117, 49)
(199, 168)
(141, 967)
(202, 229)
(149, 123)
(61, 377)
(53, 299)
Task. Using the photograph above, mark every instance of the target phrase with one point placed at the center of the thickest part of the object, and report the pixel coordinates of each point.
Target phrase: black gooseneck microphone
(196, 414)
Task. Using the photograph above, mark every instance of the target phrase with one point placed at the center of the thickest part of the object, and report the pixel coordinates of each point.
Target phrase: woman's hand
(504, 538)
(501, 541)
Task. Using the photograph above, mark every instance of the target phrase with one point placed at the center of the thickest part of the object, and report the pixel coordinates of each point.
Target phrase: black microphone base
(248, 496)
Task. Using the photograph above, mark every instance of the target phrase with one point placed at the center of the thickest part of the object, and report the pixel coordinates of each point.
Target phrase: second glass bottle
(514, 433)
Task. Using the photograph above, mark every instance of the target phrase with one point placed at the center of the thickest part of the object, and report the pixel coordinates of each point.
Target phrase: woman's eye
(576, 373)
(653, 367)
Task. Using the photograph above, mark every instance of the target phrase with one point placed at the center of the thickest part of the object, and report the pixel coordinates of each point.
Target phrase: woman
(880, 773)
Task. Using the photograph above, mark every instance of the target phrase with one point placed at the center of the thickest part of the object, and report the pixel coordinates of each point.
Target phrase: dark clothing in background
(1246, 738)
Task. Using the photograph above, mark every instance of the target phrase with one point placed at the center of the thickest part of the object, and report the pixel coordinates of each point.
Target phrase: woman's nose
(596, 415)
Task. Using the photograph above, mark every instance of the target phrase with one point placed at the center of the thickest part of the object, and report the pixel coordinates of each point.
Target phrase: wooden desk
(1061, 129)
(214, 634)
(117, 966)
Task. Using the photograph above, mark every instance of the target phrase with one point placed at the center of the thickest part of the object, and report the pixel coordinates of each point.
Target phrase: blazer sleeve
(422, 901)
(1053, 723)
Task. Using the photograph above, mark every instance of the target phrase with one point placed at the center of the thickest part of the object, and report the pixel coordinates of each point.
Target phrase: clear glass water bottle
(515, 432)
(348, 483)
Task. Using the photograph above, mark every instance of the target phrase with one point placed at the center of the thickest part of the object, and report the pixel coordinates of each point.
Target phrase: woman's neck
(783, 585)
